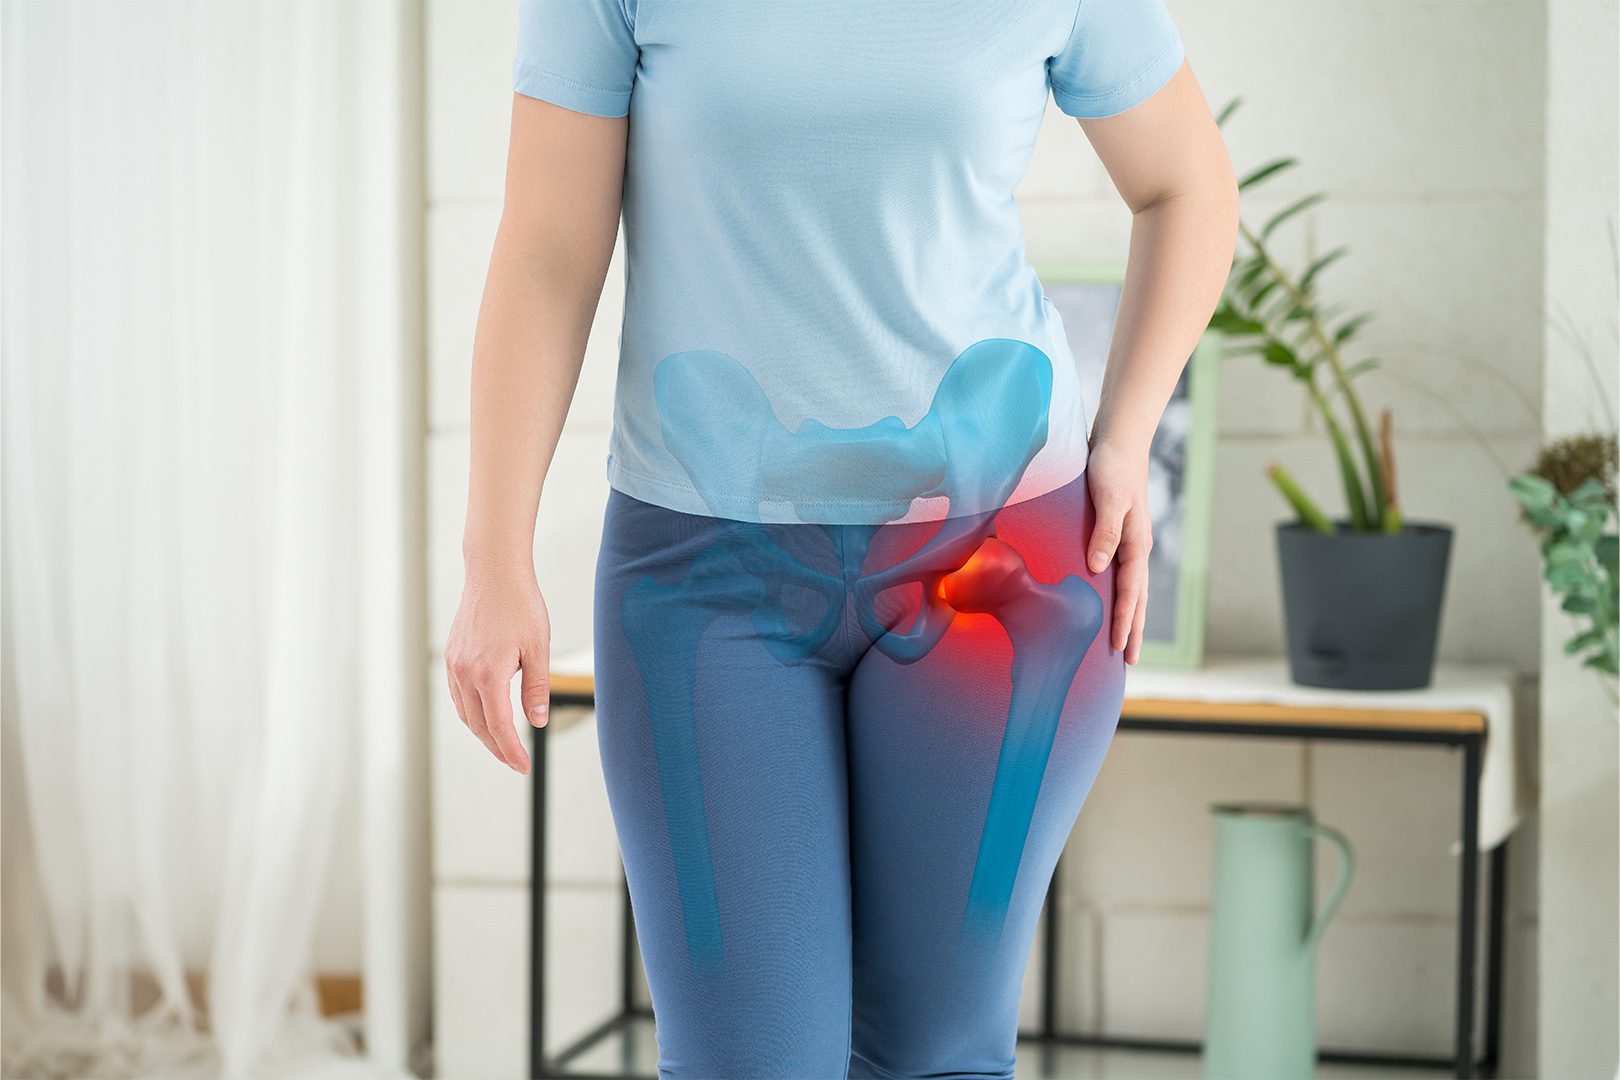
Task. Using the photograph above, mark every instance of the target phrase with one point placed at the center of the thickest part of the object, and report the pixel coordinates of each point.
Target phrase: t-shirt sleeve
(580, 54)
(1118, 54)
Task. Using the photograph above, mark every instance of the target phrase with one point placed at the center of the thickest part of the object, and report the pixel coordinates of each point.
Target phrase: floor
(635, 1053)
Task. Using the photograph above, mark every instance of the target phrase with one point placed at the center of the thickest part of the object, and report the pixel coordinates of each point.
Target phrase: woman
(867, 586)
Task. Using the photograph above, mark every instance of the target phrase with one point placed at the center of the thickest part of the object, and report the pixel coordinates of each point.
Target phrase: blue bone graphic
(987, 421)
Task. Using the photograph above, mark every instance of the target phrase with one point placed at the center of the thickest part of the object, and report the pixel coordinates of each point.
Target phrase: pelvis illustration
(987, 421)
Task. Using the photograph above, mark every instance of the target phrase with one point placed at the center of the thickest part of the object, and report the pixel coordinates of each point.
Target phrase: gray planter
(1362, 610)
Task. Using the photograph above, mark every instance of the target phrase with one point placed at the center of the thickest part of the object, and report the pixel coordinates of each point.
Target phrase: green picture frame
(1182, 470)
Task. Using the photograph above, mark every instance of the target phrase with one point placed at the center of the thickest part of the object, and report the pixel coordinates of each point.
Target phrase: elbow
(1210, 194)
(1229, 205)
(1231, 198)
(1221, 184)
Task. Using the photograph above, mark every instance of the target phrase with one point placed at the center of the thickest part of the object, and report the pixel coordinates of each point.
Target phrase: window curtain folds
(195, 315)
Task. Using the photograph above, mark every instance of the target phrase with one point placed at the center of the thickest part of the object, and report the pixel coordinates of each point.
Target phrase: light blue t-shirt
(828, 311)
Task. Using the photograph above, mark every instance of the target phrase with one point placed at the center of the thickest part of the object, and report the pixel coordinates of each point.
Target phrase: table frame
(1464, 731)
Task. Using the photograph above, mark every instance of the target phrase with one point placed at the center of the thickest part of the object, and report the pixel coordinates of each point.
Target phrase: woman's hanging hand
(1166, 158)
(1117, 481)
(559, 220)
(501, 627)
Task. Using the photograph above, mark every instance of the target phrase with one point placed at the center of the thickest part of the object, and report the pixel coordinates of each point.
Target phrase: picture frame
(1181, 471)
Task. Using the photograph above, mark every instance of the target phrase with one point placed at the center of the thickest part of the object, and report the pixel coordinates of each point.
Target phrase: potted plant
(1568, 498)
(1362, 593)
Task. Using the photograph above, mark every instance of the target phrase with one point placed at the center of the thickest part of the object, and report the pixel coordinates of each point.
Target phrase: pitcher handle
(1347, 864)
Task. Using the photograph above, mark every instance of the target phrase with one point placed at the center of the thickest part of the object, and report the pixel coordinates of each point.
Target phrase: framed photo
(1182, 466)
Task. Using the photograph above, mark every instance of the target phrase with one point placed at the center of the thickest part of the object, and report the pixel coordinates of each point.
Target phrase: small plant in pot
(1362, 594)
(1568, 498)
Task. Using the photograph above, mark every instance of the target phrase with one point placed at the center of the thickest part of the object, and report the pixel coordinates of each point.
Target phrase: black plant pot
(1362, 609)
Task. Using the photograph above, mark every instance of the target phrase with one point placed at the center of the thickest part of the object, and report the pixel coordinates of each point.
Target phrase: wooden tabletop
(582, 685)
(1262, 714)
(1258, 713)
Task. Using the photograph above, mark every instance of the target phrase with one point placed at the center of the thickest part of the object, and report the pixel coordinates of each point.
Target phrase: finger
(1133, 652)
(455, 693)
(1120, 630)
(1131, 568)
(1106, 530)
(536, 692)
(1130, 583)
(465, 714)
(472, 714)
(496, 697)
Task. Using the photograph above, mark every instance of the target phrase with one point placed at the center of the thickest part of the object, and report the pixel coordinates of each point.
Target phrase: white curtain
(200, 303)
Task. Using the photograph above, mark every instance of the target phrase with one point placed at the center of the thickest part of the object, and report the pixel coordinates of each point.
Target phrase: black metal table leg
(537, 910)
(1468, 907)
(1496, 934)
(627, 975)
(627, 958)
(1049, 956)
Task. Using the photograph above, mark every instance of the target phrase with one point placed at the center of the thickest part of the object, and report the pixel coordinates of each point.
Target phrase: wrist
(497, 561)
(1127, 440)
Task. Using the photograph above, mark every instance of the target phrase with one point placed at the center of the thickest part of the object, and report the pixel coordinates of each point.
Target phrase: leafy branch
(1579, 559)
(1267, 310)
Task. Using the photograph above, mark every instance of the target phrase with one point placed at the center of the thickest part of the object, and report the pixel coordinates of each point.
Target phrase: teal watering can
(1260, 1017)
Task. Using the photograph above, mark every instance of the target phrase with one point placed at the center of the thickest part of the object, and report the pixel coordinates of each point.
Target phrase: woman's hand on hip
(1122, 530)
(501, 627)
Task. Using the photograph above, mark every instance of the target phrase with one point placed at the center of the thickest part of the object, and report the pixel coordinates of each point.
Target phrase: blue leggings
(842, 761)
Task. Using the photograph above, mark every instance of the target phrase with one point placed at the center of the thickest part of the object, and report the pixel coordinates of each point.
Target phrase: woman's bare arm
(1168, 162)
(564, 178)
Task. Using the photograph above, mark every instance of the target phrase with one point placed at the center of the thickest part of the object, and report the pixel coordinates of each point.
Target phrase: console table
(1469, 708)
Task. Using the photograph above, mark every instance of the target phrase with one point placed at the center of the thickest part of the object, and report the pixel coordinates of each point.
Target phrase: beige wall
(1424, 121)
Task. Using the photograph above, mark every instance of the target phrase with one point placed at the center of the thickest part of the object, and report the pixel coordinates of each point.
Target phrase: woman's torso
(819, 220)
